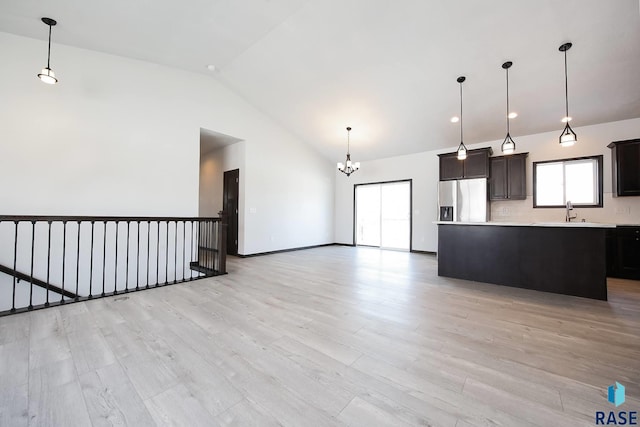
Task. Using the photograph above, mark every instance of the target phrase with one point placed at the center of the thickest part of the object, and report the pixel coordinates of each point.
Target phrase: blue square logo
(615, 394)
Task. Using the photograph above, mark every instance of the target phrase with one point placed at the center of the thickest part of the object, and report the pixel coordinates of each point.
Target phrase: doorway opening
(382, 214)
(222, 158)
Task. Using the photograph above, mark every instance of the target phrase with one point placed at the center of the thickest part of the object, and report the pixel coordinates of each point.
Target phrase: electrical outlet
(623, 210)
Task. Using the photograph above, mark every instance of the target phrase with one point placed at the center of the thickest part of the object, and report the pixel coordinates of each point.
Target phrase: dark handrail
(40, 283)
(60, 218)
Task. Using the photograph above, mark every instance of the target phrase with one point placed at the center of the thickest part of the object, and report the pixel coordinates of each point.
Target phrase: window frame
(599, 182)
(354, 224)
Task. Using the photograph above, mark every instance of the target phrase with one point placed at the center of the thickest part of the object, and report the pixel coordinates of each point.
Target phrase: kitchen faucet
(568, 217)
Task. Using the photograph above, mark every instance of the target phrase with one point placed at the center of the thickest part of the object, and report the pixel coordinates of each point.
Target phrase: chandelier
(349, 167)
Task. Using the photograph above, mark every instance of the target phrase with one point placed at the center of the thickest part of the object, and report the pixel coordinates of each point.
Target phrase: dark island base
(563, 260)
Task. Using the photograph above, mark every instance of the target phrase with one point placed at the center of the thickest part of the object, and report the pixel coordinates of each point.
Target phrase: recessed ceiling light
(513, 115)
(455, 119)
(212, 68)
(566, 119)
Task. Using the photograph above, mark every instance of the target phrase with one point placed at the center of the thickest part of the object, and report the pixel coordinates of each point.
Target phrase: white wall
(289, 195)
(121, 137)
(423, 169)
(286, 193)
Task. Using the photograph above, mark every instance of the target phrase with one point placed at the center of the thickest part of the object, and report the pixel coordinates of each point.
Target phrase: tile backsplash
(616, 210)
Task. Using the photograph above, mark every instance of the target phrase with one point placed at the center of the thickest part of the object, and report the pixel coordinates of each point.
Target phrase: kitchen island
(564, 258)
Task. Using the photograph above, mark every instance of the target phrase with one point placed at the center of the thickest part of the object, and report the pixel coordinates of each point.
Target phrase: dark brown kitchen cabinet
(498, 181)
(508, 177)
(626, 167)
(624, 253)
(450, 167)
(476, 165)
(611, 243)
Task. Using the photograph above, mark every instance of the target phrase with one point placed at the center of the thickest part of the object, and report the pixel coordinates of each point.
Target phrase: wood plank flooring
(327, 336)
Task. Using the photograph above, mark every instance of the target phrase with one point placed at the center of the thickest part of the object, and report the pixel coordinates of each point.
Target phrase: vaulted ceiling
(386, 68)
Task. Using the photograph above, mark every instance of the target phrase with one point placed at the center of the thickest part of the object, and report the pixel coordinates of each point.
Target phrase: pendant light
(508, 145)
(47, 75)
(350, 167)
(568, 136)
(462, 149)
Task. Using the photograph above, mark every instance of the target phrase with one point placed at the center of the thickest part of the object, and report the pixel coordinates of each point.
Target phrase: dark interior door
(230, 194)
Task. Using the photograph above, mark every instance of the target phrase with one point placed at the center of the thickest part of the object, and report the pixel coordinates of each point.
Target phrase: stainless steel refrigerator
(463, 200)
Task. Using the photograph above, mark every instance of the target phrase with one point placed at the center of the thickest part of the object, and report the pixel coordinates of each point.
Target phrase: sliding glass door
(383, 215)
(368, 212)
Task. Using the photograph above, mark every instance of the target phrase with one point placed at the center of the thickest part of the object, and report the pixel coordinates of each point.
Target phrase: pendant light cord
(566, 86)
(348, 149)
(49, 50)
(507, 69)
(461, 112)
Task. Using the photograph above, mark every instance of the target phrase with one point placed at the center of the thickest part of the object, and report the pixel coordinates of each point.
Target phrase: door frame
(410, 181)
(232, 172)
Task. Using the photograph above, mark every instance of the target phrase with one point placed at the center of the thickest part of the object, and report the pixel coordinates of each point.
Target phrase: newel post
(222, 243)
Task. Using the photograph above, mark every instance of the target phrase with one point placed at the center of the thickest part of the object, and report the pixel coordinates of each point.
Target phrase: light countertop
(533, 224)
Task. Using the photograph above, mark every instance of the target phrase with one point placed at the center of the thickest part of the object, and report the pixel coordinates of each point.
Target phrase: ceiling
(386, 68)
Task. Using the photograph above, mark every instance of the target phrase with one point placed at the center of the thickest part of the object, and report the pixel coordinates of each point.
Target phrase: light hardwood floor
(328, 336)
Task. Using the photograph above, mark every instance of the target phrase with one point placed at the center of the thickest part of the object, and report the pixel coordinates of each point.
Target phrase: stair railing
(54, 260)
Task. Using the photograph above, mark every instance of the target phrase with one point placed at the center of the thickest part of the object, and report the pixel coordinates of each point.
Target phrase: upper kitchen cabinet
(508, 177)
(626, 167)
(476, 165)
(450, 167)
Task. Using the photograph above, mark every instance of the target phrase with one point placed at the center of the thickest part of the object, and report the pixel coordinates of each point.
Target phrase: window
(578, 181)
